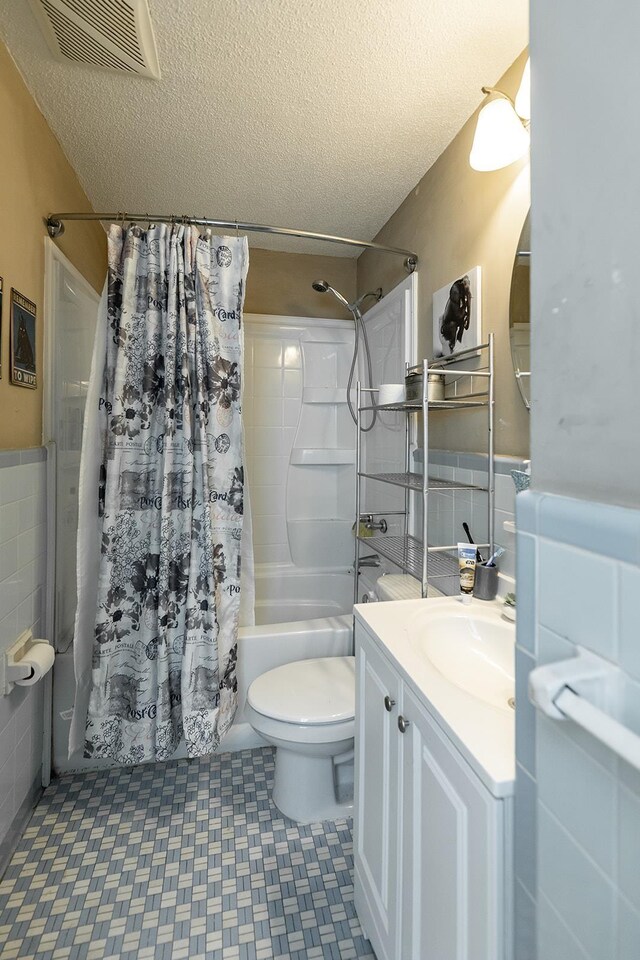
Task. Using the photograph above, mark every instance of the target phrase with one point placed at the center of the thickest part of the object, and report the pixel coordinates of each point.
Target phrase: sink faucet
(371, 560)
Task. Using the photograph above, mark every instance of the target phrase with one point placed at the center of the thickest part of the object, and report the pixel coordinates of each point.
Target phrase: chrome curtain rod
(55, 228)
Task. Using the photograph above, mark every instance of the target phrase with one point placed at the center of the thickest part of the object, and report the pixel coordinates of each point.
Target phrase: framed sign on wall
(23, 341)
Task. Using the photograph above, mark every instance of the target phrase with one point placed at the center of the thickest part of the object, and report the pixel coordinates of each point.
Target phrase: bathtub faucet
(371, 524)
(371, 560)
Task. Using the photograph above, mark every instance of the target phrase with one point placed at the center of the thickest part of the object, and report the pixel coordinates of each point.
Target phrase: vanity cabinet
(377, 813)
(432, 861)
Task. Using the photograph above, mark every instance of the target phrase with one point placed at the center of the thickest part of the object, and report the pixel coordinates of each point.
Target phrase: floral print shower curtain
(168, 507)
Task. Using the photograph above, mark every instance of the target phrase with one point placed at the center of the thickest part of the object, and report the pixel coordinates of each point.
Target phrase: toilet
(306, 710)
(391, 586)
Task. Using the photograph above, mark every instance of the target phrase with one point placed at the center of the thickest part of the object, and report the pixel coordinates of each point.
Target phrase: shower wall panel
(299, 442)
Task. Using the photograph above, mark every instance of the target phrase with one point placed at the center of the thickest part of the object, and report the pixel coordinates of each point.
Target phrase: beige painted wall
(280, 283)
(35, 179)
(456, 219)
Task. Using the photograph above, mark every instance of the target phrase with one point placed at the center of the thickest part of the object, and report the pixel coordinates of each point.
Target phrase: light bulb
(523, 96)
(500, 137)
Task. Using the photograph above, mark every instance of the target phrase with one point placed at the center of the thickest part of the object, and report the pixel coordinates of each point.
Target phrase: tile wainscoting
(22, 594)
(449, 508)
(577, 804)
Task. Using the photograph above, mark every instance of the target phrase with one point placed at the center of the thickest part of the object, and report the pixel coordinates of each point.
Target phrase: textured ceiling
(318, 114)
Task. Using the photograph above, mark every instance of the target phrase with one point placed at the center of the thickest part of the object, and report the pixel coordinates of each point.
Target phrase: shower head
(321, 286)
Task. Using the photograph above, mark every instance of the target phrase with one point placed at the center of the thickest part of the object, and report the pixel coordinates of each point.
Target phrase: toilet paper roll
(390, 393)
(39, 657)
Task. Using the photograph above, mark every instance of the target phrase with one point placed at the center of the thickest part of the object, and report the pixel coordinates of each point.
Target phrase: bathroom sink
(470, 647)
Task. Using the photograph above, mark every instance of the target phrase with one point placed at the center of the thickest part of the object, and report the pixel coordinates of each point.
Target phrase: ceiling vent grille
(110, 34)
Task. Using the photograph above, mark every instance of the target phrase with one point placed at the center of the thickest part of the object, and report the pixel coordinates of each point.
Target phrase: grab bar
(563, 691)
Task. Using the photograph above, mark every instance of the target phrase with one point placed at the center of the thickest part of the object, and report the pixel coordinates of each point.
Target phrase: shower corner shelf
(322, 456)
(434, 564)
(324, 395)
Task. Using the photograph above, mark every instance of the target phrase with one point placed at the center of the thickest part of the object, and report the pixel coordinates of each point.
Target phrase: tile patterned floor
(187, 860)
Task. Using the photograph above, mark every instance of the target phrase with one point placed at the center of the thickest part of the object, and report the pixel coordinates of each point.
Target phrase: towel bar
(564, 691)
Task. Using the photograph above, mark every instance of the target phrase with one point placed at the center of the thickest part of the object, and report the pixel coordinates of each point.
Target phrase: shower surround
(300, 441)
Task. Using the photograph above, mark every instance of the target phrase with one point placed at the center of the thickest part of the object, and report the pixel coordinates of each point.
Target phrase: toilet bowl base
(304, 788)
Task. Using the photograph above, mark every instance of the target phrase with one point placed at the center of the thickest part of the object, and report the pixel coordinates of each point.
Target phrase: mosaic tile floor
(187, 860)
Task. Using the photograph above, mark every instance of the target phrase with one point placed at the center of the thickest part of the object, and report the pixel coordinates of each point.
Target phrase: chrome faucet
(372, 524)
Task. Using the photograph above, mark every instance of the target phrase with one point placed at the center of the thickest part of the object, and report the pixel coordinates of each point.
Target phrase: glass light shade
(523, 96)
(500, 137)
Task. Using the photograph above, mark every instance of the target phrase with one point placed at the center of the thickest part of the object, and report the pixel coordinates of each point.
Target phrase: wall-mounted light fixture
(502, 130)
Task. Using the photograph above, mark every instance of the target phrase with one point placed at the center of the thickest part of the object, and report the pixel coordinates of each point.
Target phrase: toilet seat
(307, 693)
(300, 733)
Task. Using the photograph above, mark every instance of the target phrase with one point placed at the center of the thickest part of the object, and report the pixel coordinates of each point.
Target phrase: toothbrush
(465, 527)
(491, 562)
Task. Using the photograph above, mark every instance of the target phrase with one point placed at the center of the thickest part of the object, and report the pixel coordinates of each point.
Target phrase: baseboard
(19, 823)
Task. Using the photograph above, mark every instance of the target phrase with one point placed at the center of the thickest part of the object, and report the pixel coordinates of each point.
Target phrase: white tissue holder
(12, 667)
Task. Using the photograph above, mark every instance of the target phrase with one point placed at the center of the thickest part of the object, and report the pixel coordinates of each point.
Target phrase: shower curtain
(161, 499)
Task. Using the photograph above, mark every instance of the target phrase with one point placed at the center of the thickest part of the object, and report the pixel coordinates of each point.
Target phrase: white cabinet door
(452, 869)
(377, 816)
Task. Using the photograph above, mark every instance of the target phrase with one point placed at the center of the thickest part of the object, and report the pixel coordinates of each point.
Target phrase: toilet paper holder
(14, 668)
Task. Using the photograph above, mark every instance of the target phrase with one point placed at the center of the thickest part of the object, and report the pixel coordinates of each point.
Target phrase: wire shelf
(406, 553)
(416, 405)
(466, 389)
(413, 481)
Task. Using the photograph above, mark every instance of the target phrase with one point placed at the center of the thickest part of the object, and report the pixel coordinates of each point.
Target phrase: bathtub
(300, 614)
(286, 593)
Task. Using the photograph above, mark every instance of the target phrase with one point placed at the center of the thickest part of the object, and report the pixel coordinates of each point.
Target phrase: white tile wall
(449, 508)
(276, 354)
(22, 588)
(271, 408)
(578, 583)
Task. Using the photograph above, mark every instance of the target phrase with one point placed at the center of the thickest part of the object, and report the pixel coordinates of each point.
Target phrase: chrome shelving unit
(406, 551)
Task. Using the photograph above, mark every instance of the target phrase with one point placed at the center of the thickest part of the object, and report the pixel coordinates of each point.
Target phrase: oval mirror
(519, 314)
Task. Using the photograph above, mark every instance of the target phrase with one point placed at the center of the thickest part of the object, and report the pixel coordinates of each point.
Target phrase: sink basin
(471, 648)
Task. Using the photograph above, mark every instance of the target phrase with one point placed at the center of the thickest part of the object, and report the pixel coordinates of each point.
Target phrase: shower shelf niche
(322, 456)
(324, 395)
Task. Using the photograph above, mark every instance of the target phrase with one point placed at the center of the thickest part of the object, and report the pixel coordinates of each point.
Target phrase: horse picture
(456, 315)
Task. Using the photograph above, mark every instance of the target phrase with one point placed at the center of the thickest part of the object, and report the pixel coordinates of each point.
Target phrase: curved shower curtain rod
(55, 228)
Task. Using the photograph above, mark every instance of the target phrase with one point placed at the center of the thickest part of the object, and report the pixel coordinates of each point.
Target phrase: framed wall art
(457, 315)
(23, 341)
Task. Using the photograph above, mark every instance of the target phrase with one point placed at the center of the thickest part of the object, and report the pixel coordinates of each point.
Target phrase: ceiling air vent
(110, 34)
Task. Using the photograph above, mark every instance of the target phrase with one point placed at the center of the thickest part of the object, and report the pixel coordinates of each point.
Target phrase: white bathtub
(300, 614)
(286, 594)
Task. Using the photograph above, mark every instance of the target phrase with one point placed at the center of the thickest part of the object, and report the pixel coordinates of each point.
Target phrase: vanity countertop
(471, 642)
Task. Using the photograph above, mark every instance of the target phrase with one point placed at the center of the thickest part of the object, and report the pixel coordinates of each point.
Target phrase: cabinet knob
(403, 724)
(389, 704)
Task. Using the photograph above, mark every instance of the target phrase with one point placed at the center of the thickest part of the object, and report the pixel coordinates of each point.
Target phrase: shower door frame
(53, 257)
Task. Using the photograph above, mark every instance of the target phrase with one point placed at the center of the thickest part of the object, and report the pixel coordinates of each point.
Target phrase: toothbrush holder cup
(486, 582)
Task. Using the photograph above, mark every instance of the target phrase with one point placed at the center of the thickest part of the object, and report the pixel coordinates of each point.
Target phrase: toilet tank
(402, 587)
